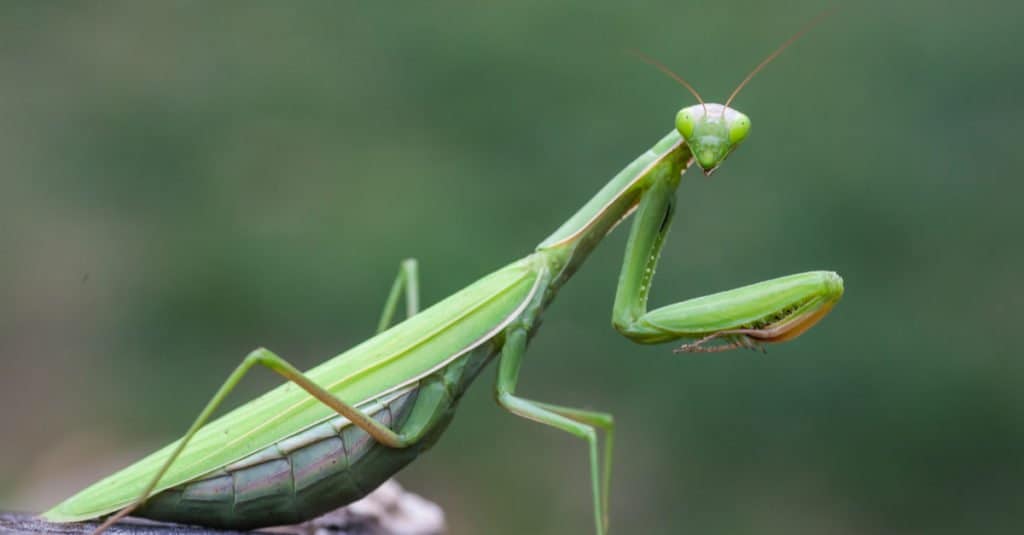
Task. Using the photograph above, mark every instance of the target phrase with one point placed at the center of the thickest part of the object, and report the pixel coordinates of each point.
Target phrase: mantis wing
(392, 359)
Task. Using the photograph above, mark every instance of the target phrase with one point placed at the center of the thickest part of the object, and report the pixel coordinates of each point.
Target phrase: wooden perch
(389, 510)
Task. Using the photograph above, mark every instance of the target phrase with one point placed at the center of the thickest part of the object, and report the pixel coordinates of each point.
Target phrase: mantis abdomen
(318, 469)
(299, 477)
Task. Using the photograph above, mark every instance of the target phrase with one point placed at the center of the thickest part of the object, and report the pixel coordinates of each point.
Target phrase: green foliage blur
(181, 182)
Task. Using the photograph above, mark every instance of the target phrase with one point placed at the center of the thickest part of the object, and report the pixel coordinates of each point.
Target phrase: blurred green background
(181, 182)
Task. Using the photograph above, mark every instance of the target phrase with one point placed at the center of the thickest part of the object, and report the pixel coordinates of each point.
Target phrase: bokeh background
(181, 182)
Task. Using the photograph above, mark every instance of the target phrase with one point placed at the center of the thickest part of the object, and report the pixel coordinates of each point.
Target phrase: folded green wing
(389, 360)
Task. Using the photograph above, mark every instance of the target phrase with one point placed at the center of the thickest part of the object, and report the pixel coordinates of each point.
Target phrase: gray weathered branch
(389, 510)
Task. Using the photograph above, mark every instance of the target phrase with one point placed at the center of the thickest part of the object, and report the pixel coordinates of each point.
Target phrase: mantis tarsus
(330, 435)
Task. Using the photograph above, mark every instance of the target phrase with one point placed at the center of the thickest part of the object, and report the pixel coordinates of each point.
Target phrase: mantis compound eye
(685, 120)
(739, 126)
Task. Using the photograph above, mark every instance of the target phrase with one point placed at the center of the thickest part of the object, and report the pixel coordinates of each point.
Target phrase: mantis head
(712, 131)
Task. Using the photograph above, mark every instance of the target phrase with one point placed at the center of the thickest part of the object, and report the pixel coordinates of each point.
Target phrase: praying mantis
(332, 434)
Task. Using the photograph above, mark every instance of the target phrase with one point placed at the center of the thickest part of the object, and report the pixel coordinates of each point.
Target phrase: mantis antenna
(647, 59)
(807, 27)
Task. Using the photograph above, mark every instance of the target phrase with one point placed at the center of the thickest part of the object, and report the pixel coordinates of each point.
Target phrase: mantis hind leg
(579, 422)
(265, 358)
(408, 277)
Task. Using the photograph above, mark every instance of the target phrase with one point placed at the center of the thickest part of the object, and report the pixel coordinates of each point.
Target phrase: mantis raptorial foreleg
(650, 227)
(581, 423)
(408, 277)
(266, 358)
(784, 329)
(770, 311)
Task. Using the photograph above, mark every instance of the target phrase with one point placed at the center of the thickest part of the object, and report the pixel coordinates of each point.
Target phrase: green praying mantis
(332, 434)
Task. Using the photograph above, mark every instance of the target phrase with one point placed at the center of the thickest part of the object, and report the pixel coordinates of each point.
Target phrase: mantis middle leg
(579, 422)
(408, 277)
